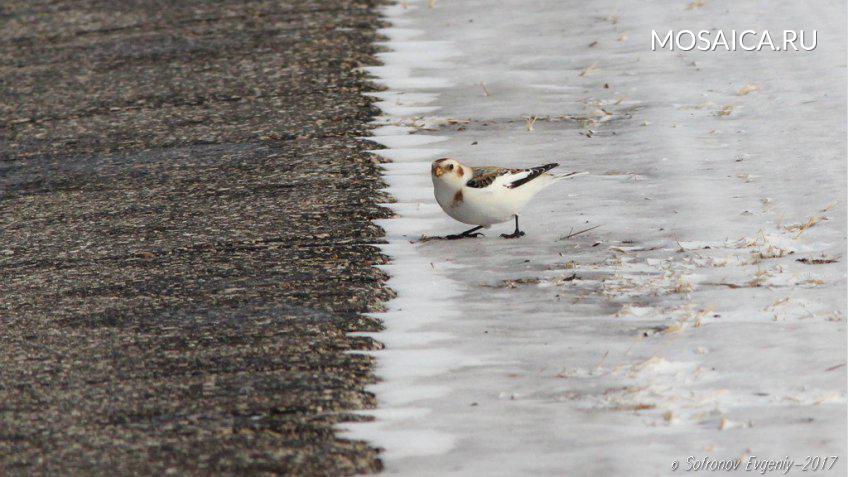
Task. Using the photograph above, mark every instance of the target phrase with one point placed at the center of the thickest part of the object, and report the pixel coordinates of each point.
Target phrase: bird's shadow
(430, 238)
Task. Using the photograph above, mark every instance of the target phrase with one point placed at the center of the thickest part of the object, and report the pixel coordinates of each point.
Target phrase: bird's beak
(438, 171)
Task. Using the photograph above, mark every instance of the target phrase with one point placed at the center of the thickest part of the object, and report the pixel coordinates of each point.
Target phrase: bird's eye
(450, 167)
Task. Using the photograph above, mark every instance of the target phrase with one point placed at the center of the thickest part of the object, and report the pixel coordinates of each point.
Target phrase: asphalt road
(185, 236)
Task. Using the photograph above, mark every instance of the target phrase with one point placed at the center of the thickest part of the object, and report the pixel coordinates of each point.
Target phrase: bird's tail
(567, 175)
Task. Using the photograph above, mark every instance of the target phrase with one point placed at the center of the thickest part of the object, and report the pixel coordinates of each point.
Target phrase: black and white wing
(510, 178)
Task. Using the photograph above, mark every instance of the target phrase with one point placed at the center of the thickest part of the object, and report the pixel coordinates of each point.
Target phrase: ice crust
(683, 326)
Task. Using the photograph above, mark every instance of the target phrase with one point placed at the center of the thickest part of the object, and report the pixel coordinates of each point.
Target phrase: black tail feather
(534, 173)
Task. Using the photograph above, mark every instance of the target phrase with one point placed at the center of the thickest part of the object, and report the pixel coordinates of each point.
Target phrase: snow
(684, 325)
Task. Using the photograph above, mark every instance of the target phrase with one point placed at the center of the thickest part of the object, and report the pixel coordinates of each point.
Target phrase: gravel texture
(185, 212)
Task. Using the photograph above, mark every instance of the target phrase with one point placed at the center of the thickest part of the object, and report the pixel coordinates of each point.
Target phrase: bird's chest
(472, 206)
(448, 197)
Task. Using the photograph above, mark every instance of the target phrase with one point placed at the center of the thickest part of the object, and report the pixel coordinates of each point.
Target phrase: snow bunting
(483, 196)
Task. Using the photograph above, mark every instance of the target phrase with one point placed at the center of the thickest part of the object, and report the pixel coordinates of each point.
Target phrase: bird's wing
(484, 176)
(510, 178)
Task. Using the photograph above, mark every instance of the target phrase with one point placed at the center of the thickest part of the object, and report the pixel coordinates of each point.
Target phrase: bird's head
(450, 171)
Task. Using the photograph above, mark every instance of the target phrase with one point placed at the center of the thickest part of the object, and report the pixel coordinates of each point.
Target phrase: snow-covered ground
(697, 320)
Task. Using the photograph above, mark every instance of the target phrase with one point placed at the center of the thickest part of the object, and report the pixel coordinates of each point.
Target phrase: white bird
(483, 196)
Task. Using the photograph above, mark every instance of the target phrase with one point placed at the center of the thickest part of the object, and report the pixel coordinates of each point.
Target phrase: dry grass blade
(747, 89)
(514, 283)
(801, 228)
(818, 261)
(725, 111)
(589, 69)
(830, 206)
(578, 233)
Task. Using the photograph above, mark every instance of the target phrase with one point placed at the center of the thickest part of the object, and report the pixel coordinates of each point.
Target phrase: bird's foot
(462, 236)
(516, 234)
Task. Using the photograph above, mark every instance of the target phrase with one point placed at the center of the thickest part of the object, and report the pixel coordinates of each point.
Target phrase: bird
(483, 196)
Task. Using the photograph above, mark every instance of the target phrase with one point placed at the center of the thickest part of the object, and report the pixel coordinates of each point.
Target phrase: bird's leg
(515, 234)
(467, 234)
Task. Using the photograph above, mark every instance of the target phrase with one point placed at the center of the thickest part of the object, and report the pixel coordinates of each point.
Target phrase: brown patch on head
(460, 171)
(436, 168)
(439, 161)
(457, 198)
